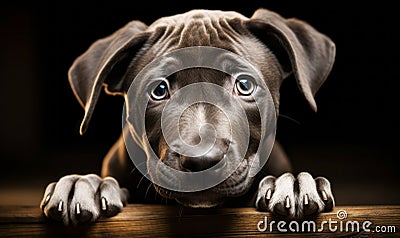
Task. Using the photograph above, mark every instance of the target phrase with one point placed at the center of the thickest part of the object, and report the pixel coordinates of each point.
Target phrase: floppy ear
(300, 49)
(104, 64)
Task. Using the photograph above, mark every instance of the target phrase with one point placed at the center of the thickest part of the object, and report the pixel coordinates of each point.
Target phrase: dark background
(350, 140)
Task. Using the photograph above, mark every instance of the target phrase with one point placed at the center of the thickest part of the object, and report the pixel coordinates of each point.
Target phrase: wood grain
(138, 220)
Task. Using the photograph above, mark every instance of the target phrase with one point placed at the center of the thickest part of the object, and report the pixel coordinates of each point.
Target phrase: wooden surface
(138, 220)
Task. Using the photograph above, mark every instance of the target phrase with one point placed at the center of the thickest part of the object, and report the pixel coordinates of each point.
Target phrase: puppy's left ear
(300, 49)
(105, 64)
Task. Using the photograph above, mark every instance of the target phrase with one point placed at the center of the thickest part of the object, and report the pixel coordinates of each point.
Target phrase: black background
(351, 139)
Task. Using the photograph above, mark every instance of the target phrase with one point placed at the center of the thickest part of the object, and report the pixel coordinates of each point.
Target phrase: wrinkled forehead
(198, 28)
(206, 16)
(196, 64)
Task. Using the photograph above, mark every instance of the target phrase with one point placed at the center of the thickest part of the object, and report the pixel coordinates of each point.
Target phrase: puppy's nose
(206, 161)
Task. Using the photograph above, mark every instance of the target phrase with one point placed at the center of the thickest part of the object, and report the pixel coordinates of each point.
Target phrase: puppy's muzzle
(208, 160)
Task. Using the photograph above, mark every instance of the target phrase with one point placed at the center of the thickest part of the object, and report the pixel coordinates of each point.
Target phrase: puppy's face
(193, 118)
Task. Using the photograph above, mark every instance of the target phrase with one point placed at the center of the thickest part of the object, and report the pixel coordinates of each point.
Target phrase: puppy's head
(274, 46)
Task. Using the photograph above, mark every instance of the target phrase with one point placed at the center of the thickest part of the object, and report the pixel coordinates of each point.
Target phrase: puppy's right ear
(299, 47)
(104, 64)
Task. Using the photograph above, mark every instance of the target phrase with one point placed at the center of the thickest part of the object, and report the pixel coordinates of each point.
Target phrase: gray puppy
(276, 46)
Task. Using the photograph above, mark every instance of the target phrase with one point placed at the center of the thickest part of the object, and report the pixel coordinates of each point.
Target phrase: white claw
(78, 209)
(268, 195)
(47, 199)
(103, 204)
(306, 199)
(60, 206)
(287, 204)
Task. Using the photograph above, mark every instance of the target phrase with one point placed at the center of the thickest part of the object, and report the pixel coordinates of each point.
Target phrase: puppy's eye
(160, 92)
(245, 85)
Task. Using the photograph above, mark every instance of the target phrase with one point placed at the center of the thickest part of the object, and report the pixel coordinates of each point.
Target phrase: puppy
(275, 47)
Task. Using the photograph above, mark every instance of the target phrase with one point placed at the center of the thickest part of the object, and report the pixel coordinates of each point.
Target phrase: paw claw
(47, 199)
(268, 195)
(305, 199)
(287, 202)
(103, 204)
(60, 206)
(78, 209)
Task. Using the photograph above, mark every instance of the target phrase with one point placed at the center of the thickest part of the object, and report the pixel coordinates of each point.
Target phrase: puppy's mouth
(235, 185)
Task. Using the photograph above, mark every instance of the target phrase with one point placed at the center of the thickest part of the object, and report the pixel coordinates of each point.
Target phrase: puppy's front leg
(295, 197)
(83, 198)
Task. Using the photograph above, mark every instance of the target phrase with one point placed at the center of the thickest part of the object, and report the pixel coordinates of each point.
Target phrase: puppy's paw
(295, 197)
(83, 198)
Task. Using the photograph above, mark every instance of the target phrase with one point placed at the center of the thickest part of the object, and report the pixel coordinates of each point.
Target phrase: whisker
(141, 179)
(147, 190)
(155, 195)
(290, 119)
